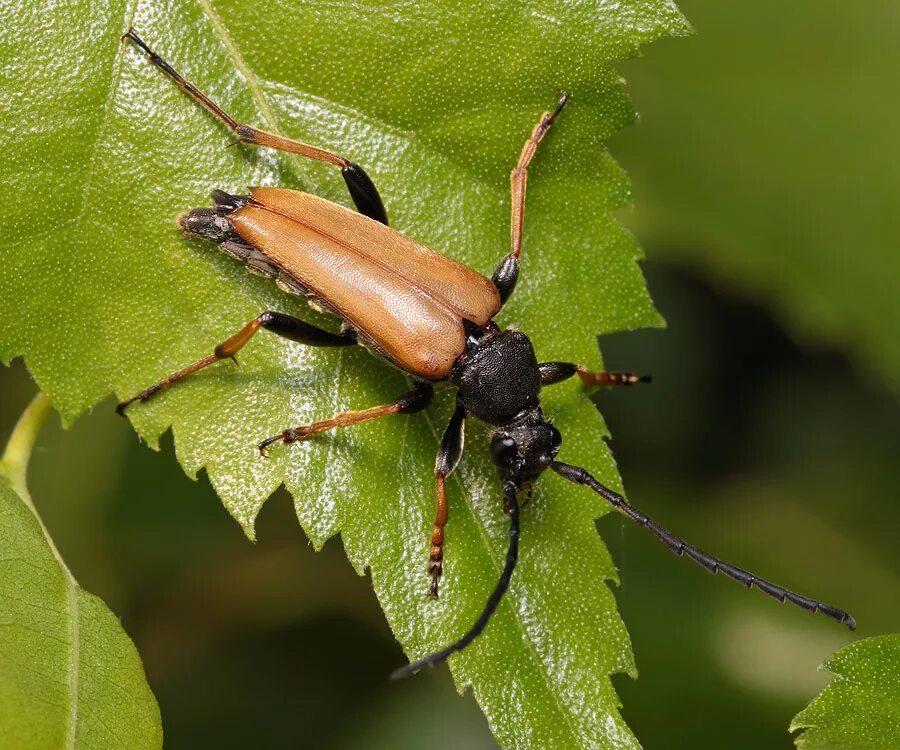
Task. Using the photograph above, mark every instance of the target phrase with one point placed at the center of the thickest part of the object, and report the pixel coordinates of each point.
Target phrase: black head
(524, 448)
(213, 223)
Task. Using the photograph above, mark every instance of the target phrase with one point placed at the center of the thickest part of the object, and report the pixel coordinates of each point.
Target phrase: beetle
(427, 314)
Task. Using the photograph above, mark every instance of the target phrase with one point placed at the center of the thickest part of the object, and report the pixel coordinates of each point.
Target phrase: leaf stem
(14, 463)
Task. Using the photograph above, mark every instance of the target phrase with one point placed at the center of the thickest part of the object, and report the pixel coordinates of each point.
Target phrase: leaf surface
(860, 707)
(100, 291)
(69, 675)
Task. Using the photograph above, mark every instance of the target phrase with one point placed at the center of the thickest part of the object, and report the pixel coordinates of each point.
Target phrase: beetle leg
(555, 372)
(512, 557)
(507, 272)
(407, 403)
(361, 188)
(519, 176)
(279, 323)
(447, 459)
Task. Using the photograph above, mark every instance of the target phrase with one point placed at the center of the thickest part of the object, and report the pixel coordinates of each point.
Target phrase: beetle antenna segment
(512, 556)
(579, 476)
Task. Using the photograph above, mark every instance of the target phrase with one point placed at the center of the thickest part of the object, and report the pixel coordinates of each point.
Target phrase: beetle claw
(264, 445)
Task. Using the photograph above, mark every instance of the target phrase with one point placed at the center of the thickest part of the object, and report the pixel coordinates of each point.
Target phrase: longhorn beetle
(430, 316)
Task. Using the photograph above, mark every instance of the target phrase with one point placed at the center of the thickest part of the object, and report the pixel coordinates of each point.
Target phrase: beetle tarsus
(590, 378)
(563, 100)
(263, 447)
(556, 372)
(123, 405)
(512, 556)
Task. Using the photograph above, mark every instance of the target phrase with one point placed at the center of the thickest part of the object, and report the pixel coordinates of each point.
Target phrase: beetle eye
(503, 450)
(555, 438)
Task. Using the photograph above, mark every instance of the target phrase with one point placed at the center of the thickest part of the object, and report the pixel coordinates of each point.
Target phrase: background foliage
(764, 431)
(779, 186)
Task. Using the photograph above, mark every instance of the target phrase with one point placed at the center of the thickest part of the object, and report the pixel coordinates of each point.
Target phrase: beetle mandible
(430, 316)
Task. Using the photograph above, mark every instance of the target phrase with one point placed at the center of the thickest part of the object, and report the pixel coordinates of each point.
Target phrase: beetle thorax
(498, 377)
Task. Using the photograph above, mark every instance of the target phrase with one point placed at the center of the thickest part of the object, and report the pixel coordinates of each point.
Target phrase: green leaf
(761, 161)
(860, 708)
(69, 675)
(100, 292)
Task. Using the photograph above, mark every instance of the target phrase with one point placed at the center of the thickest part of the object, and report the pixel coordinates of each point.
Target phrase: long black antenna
(579, 476)
(512, 556)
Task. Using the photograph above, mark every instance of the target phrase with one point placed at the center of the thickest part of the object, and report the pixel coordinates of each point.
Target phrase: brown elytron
(404, 297)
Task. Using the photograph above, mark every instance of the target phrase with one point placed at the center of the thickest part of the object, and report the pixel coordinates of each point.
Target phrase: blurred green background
(766, 185)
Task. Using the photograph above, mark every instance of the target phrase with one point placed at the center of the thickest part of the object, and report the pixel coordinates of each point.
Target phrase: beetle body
(424, 312)
(430, 316)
